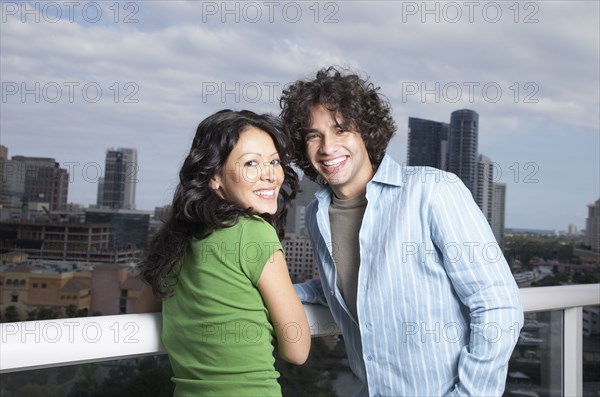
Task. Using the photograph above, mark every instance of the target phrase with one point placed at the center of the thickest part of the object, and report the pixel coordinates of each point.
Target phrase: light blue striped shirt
(438, 308)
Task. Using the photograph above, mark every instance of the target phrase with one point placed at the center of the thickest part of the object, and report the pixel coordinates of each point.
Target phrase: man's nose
(329, 144)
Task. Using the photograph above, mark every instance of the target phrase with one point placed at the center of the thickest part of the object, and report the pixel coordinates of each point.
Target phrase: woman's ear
(215, 182)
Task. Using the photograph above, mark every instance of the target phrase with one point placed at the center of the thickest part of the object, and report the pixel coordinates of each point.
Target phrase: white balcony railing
(50, 343)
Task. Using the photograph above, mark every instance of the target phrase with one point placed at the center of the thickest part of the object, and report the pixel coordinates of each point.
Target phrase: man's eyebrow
(345, 123)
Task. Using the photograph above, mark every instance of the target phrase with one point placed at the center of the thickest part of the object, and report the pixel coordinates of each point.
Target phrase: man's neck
(348, 194)
(352, 190)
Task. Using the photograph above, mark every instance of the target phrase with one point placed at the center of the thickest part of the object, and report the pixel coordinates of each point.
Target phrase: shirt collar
(388, 172)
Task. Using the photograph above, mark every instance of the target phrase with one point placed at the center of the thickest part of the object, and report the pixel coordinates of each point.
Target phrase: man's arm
(311, 291)
(484, 283)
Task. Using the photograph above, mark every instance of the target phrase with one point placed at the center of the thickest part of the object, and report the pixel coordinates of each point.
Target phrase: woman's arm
(286, 310)
(147, 302)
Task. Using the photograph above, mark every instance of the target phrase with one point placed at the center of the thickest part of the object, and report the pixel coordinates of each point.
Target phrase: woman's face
(253, 173)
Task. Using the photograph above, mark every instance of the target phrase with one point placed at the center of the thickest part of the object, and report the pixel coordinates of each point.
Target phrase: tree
(81, 312)
(47, 313)
(43, 313)
(39, 390)
(85, 380)
(153, 379)
(70, 311)
(11, 314)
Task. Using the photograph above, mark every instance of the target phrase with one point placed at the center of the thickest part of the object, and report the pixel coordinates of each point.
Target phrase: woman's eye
(251, 163)
(275, 162)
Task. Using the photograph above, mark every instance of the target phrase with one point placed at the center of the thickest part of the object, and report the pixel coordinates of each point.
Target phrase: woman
(218, 263)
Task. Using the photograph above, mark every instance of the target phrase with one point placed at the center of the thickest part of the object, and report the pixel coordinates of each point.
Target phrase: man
(408, 265)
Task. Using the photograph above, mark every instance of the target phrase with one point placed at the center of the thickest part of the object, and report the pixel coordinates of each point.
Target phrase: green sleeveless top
(216, 328)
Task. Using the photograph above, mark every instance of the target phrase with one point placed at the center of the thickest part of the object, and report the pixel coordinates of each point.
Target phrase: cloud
(181, 61)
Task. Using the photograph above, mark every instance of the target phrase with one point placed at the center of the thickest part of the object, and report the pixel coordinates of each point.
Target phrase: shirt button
(370, 357)
(369, 326)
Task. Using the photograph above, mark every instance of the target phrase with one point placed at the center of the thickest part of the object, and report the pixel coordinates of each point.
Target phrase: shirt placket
(364, 311)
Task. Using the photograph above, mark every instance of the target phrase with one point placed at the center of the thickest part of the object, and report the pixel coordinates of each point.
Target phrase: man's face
(337, 153)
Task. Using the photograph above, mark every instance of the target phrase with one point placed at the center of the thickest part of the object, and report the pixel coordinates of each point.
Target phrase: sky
(81, 77)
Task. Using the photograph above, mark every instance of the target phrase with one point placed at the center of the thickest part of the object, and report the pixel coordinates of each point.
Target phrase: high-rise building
(427, 143)
(591, 321)
(300, 257)
(498, 211)
(295, 217)
(592, 225)
(120, 179)
(485, 191)
(12, 184)
(44, 181)
(100, 193)
(161, 214)
(129, 228)
(463, 147)
(299, 253)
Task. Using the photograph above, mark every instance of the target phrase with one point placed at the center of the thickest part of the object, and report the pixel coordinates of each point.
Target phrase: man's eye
(311, 137)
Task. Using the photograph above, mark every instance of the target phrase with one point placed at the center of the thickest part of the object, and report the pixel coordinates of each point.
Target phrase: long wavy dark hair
(196, 210)
(345, 92)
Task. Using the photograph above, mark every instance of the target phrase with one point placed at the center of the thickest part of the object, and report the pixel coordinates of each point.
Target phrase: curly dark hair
(196, 210)
(355, 98)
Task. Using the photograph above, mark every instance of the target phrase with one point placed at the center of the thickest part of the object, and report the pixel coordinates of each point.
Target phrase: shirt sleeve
(483, 282)
(311, 291)
(258, 243)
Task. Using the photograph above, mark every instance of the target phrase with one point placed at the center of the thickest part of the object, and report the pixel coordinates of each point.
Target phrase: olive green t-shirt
(216, 327)
(345, 217)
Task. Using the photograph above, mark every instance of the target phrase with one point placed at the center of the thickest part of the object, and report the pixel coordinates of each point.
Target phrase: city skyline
(116, 188)
(453, 147)
(143, 74)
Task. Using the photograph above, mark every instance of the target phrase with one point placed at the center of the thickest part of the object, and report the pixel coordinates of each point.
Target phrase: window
(35, 285)
(14, 298)
(44, 285)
